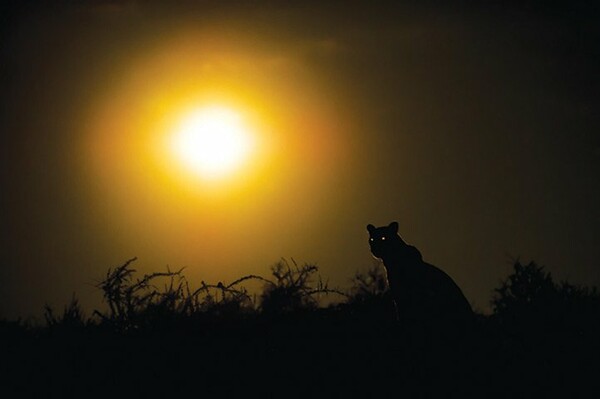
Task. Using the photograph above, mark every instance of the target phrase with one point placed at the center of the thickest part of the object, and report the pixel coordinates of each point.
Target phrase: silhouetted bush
(529, 301)
(294, 288)
(528, 290)
(369, 296)
(369, 285)
(137, 302)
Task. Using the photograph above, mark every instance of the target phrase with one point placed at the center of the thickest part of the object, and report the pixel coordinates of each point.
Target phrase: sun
(212, 141)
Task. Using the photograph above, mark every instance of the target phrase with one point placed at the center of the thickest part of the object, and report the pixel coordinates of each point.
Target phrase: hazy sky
(475, 127)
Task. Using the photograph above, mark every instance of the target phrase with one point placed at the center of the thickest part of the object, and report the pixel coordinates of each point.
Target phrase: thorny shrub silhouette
(292, 289)
(135, 302)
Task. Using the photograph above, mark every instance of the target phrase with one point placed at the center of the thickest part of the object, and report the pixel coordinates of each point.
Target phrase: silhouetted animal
(424, 295)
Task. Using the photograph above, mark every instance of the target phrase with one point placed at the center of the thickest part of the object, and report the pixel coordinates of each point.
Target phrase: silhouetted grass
(72, 316)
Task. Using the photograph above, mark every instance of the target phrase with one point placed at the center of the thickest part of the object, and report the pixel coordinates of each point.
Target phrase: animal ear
(371, 228)
(394, 227)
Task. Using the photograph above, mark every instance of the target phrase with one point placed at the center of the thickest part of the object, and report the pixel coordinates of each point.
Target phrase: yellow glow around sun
(212, 141)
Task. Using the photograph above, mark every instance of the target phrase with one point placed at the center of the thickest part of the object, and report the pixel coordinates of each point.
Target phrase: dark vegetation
(159, 336)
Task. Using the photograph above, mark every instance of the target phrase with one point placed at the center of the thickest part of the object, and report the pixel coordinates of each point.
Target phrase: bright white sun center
(212, 141)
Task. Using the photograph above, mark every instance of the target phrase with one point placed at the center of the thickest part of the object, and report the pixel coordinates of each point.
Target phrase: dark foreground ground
(542, 341)
(319, 353)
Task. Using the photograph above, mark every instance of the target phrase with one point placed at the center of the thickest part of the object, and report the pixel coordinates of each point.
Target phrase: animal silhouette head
(384, 240)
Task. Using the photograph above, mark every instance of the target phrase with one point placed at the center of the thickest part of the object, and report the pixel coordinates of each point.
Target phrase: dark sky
(476, 127)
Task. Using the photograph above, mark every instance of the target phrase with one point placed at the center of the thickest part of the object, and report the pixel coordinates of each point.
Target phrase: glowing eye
(383, 238)
(370, 239)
